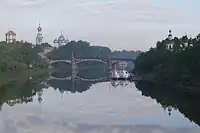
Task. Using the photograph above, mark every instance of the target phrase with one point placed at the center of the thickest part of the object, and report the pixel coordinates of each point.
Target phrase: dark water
(52, 106)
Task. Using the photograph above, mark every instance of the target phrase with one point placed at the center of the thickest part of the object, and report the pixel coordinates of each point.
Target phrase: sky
(118, 24)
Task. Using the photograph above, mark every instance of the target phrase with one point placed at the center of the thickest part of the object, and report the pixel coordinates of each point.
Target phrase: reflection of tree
(89, 70)
(80, 86)
(67, 85)
(21, 91)
(64, 69)
(172, 97)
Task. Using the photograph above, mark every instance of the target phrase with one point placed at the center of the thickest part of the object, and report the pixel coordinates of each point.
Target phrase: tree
(16, 56)
(180, 66)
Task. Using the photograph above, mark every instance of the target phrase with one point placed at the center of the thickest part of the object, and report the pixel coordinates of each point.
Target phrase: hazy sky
(128, 24)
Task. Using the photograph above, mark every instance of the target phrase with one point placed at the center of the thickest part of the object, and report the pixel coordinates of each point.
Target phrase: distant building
(170, 43)
(60, 41)
(10, 37)
(39, 37)
(186, 42)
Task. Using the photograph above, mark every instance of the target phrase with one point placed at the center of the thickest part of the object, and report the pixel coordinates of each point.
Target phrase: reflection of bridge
(77, 83)
(77, 78)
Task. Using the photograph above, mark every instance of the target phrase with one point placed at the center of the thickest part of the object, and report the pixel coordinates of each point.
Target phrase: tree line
(176, 65)
(19, 56)
(83, 49)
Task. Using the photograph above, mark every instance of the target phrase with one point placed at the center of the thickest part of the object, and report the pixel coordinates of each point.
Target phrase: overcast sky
(119, 24)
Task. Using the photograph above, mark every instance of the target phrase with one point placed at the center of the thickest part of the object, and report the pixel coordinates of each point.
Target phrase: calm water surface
(101, 109)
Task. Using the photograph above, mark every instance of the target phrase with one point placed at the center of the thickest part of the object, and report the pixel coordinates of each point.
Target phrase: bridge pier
(109, 66)
(74, 66)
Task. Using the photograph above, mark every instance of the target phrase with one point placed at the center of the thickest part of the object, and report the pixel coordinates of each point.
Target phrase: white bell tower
(39, 37)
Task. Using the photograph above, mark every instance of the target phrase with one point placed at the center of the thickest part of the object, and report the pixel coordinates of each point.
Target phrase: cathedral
(60, 41)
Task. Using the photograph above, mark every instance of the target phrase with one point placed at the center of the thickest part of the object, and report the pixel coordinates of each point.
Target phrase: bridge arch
(56, 61)
(94, 60)
(56, 78)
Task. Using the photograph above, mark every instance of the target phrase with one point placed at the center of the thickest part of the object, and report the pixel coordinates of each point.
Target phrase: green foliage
(177, 66)
(19, 56)
(81, 49)
(45, 45)
(38, 49)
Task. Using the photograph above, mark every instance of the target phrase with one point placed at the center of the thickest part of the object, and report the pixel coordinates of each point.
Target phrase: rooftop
(10, 33)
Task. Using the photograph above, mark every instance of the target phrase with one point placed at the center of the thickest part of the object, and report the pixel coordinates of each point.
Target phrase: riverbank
(8, 77)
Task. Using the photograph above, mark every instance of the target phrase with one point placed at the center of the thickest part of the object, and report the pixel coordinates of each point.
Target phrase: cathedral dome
(61, 38)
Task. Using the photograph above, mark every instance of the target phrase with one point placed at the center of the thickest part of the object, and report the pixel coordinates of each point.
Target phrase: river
(88, 107)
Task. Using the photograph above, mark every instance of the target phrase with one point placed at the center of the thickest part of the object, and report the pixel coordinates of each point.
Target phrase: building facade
(10, 37)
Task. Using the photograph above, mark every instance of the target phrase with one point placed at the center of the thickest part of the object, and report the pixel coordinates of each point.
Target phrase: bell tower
(39, 37)
(170, 41)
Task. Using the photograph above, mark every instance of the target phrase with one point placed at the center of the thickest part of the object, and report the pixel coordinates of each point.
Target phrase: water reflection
(173, 99)
(87, 70)
(117, 83)
(21, 91)
(33, 105)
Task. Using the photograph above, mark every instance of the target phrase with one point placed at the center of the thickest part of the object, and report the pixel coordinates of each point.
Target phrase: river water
(99, 108)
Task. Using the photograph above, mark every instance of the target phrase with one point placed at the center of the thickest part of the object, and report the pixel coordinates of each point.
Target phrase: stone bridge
(102, 60)
(78, 61)
(110, 61)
